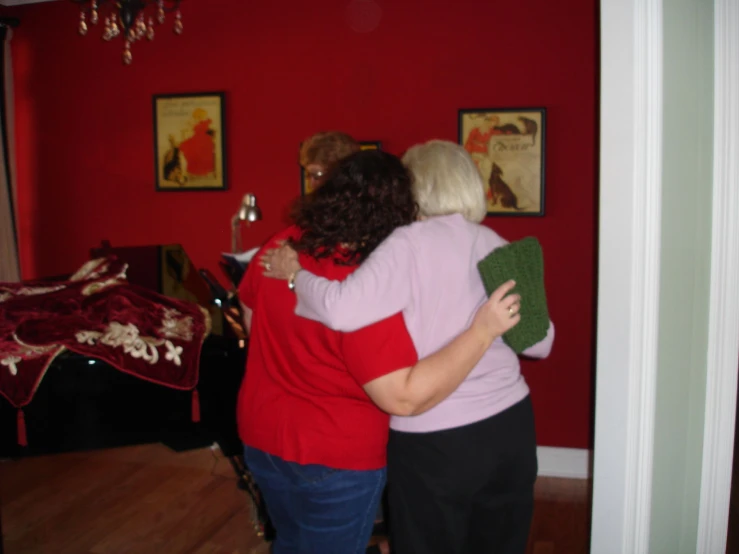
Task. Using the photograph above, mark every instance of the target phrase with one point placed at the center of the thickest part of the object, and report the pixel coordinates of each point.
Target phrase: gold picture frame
(370, 145)
(507, 145)
(189, 136)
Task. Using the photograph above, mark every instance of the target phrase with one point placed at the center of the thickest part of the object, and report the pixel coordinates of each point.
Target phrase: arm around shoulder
(414, 390)
(379, 288)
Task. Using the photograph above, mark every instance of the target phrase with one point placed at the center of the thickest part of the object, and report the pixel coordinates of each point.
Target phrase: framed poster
(507, 145)
(189, 141)
(305, 184)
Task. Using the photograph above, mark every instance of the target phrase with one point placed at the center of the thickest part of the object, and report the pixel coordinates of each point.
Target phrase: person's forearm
(436, 376)
(377, 290)
(341, 306)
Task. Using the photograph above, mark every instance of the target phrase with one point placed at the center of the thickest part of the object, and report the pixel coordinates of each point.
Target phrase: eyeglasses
(314, 175)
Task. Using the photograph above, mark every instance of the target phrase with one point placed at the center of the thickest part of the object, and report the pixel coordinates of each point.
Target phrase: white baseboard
(571, 463)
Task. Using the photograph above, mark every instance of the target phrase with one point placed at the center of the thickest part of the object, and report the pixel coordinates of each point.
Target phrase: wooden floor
(151, 500)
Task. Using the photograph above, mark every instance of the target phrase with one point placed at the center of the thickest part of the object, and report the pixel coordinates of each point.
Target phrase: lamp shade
(249, 211)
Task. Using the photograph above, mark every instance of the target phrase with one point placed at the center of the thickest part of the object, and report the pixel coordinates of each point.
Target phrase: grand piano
(82, 403)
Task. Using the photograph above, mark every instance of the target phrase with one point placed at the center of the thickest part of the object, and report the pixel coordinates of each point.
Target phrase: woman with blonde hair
(460, 474)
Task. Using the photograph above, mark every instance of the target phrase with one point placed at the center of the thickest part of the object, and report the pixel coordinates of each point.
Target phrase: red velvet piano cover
(97, 313)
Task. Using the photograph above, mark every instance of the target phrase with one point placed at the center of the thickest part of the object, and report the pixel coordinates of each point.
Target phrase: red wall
(290, 68)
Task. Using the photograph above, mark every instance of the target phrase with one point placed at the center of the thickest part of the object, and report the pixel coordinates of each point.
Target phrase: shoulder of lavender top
(420, 230)
(485, 238)
(402, 237)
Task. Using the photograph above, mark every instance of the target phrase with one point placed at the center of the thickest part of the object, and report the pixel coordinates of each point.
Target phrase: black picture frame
(508, 146)
(200, 118)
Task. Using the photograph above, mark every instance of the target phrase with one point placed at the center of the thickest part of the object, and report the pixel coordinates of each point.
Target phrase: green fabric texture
(523, 262)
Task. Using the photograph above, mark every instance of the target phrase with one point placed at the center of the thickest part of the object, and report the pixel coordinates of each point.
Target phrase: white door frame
(630, 206)
(629, 273)
(723, 315)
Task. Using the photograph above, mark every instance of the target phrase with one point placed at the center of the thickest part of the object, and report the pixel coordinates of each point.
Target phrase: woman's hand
(499, 313)
(280, 263)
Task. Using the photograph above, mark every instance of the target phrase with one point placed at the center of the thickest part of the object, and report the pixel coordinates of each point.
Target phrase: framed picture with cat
(189, 141)
(508, 147)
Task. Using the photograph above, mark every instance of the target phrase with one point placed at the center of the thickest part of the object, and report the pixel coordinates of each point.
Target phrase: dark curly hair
(364, 198)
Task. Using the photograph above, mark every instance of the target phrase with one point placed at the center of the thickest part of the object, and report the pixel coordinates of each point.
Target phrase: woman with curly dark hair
(314, 405)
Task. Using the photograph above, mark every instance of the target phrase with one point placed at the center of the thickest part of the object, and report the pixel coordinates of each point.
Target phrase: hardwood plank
(201, 519)
(236, 536)
(544, 548)
(148, 499)
(108, 514)
(81, 525)
(561, 516)
(17, 478)
(156, 510)
(57, 494)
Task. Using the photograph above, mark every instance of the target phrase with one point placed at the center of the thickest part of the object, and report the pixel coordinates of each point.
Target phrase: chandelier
(128, 19)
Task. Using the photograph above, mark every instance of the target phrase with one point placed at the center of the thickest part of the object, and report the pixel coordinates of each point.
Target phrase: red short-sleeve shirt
(302, 396)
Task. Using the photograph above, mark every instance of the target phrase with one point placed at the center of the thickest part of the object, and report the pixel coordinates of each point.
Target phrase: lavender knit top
(428, 271)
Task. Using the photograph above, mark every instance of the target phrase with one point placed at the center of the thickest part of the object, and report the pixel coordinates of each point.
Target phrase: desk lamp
(249, 212)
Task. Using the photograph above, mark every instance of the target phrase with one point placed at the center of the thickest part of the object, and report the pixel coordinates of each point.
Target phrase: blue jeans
(316, 509)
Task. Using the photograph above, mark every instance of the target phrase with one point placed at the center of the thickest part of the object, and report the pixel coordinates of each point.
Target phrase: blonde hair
(446, 180)
(327, 148)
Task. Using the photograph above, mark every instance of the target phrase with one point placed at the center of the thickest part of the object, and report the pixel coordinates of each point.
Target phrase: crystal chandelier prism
(132, 20)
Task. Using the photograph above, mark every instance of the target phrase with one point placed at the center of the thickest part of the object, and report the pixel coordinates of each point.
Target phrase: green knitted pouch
(523, 262)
